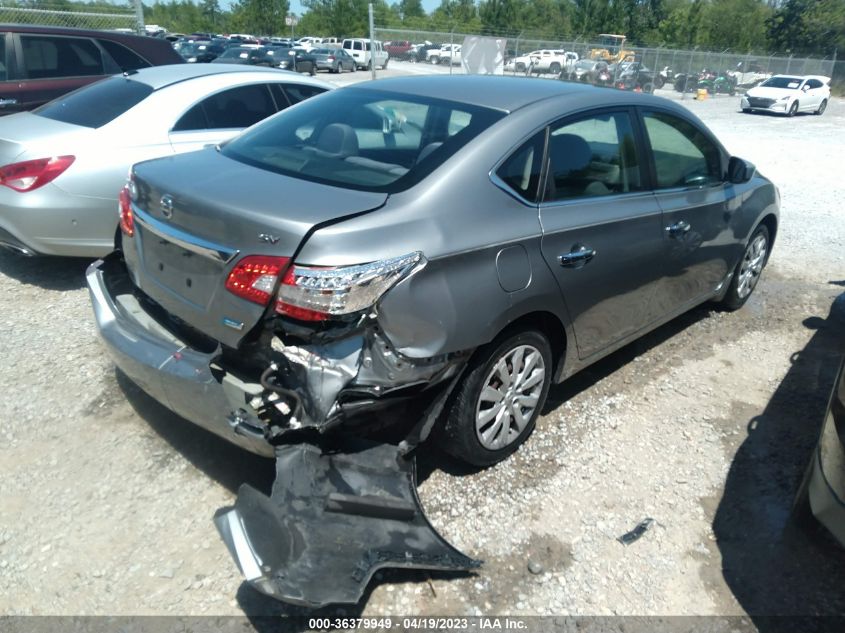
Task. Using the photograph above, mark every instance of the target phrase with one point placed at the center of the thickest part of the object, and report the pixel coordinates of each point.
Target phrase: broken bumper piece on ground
(332, 520)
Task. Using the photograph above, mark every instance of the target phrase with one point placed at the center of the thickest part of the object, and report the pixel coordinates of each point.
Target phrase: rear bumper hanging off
(332, 520)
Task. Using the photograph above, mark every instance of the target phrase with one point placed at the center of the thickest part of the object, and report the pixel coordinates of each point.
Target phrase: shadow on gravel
(50, 273)
(589, 376)
(226, 463)
(772, 566)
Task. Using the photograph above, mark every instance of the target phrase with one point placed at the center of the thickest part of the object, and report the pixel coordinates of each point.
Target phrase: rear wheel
(822, 107)
(435, 59)
(659, 81)
(748, 270)
(554, 68)
(649, 88)
(497, 403)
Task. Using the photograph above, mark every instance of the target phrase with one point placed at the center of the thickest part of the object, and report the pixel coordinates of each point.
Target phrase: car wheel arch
(551, 326)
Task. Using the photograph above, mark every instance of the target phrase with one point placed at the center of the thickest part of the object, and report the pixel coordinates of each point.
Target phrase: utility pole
(139, 17)
(372, 42)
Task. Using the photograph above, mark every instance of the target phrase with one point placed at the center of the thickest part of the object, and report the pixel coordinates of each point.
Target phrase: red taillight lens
(255, 276)
(32, 174)
(124, 212)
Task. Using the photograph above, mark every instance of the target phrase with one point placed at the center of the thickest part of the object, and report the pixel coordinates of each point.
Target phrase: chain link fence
(94, 17)
(665, 64)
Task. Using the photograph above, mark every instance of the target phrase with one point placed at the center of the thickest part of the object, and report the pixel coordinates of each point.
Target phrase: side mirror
(805, 87)
(739, 170)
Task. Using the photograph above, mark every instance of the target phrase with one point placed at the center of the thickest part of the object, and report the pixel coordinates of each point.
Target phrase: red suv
(40, 63)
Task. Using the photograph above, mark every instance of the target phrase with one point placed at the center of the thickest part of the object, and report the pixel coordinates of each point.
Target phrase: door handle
(578, 257)
(678, 229)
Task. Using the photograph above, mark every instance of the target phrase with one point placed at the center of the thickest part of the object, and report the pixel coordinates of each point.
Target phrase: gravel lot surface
(705, 425)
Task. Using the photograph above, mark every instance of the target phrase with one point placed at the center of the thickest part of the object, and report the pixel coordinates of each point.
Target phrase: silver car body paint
(491, 258)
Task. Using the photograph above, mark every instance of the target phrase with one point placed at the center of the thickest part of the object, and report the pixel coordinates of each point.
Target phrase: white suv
(359, 48)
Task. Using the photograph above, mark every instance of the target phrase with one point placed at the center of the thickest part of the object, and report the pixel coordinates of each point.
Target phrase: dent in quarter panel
(513, 268)
(449, 306)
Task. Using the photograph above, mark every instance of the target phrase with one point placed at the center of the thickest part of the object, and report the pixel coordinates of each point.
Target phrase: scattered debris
(635, 534)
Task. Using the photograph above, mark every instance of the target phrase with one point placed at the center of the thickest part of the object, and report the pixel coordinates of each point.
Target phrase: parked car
(40, 63)
(788, 94)
(366, 53)
(297, 59)
(822, 492)
(459, 241)
(245, 55)
(585, 70)
(377, 159)
(436, 55)
(401, 49)
(635, 76)
(421, 51)
(335, 60)
(64, 163)
(202, 51)
(543, 61)
(451, 55)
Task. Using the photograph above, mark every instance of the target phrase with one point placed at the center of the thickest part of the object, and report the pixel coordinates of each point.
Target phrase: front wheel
(793, 109)
(497, 403)
(748, 270)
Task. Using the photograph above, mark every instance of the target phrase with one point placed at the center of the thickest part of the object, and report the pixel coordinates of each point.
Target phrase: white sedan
(62, 165)
(788, 94)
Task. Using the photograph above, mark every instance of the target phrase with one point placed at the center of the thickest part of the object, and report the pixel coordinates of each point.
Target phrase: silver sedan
(62, 165)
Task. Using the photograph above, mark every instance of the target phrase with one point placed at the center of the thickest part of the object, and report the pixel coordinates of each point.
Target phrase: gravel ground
(705, 425)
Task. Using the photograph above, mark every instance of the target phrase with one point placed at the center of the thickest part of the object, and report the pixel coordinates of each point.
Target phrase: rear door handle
(678, 229)
(578, 257)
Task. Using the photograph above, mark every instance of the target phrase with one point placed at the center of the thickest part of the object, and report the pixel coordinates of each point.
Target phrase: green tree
(260, 17)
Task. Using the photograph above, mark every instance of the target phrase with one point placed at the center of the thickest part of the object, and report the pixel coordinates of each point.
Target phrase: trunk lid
(25, 132)
(197, 215)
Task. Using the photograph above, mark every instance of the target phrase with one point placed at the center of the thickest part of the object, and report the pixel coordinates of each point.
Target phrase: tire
(520, 67)
(822, 107)
(471, 433)
(793, 109)
(747, 110)
(748, 270)
(554, 68)
(354, 68)
(434, 59)
(648, 88)
(658, 81)
(680, 83)
(384, 66)
(313, 70)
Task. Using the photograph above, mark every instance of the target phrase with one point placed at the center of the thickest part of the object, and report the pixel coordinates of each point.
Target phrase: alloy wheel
(509, 396)
(752, 265)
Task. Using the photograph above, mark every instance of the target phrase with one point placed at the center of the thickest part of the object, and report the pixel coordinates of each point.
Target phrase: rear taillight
(124, 212)
(255, 277)
(316, 294)
(32, 174)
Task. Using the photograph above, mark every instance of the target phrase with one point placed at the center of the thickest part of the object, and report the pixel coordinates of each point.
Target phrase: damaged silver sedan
(456, 242)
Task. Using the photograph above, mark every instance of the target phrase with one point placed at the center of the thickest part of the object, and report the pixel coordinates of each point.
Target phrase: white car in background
(63, 164)
(543, 61)
(788, 94)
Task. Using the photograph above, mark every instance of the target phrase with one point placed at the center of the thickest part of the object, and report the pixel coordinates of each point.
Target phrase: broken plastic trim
(332, 520)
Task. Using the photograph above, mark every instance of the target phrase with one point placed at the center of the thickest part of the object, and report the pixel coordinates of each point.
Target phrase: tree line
(797, 27)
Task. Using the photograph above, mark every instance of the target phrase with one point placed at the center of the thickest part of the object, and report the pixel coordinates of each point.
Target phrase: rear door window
(521, 172)
(123, 57)
(46, 57)
(234, 108)
(97, 104)
(593, 156)
(299, 92)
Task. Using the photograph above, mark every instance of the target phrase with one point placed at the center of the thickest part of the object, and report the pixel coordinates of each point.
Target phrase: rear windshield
(97, 104)
(362, 139)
